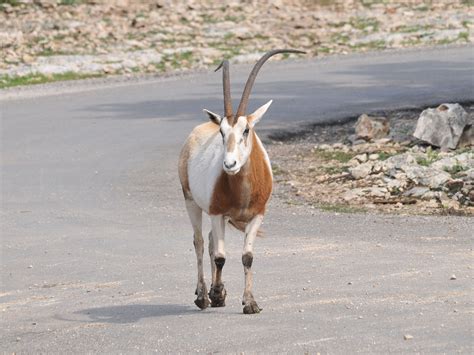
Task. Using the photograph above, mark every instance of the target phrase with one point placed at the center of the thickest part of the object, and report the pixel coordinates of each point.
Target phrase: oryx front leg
(195, 215)
(250, 306)
(218, 292)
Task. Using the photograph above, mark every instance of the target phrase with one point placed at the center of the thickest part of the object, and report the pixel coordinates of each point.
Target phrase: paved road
(96, 247)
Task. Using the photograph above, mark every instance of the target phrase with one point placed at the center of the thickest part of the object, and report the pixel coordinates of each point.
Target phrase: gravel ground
(46, 40)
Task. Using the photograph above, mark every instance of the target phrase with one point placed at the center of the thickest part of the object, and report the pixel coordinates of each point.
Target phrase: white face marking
(237, 143)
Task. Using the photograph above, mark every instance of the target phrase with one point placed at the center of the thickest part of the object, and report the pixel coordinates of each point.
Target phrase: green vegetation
(228, 36)
(385, 155)
(362, 23)
(413, 28)
(7, 81)
(411, 42)
(175, 61)
(9, 2)
(324, 50)
(446, 41)
(209, 18)
(338, 155)
(232, 18)
(70, 2)
(340, 38)
(230, 49)
(455, 170)
(48, 52)
(369, 3)
(259, 36)
(332, 170)
(341, 208)
(379, 44)
(277, 170)
(431, 157)
(422, 7)
(464, 36)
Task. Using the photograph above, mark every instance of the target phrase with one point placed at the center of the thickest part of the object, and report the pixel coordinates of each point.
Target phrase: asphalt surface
(97, 251)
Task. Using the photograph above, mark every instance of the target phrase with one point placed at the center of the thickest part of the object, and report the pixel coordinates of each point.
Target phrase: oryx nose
(230, 164)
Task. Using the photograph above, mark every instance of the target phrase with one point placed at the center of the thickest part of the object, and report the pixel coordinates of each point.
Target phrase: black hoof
(201, 302)
(251, 307)
(217, 296)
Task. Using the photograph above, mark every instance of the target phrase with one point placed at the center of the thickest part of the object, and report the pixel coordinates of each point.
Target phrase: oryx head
(237, 130)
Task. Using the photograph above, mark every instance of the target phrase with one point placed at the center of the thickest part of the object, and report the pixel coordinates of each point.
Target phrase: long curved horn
(253, 74)
(226, 85)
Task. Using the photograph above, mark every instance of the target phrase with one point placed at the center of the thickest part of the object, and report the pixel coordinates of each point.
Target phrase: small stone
(30, 266)
(353, 194)
(432, 204)
(453, 277)
(383, 141)
(28, 59)
(361, 158)
(374, 156)
(450, 204)
(417, 191)
(324, 147)
(394, 185)
(399, 162)
(408, 337)
(369, 128)
(361, 171)
(376, 191)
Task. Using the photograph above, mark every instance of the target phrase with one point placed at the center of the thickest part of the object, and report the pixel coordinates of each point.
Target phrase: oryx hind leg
(195, 215)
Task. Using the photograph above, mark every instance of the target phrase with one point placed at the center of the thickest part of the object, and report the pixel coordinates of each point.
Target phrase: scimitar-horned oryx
(225, 171)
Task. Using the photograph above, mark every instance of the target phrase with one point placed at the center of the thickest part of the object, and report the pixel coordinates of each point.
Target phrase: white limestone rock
(442, 126)
(361, 171)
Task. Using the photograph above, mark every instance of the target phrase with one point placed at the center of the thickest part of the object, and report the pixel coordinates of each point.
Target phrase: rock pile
(447, 178)
(384, 173)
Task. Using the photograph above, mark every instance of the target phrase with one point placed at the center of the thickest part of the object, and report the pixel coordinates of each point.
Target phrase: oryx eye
(246, 132)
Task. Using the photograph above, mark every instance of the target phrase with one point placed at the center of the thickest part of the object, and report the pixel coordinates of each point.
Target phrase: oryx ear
(214, 117)
(258, 114)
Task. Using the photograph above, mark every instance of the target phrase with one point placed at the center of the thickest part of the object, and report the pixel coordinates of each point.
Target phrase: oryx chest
(204, 168)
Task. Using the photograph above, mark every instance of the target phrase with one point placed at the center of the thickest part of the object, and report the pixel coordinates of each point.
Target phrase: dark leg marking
(218, 292)
(250, 306)
(219, 263)
(247, 260)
